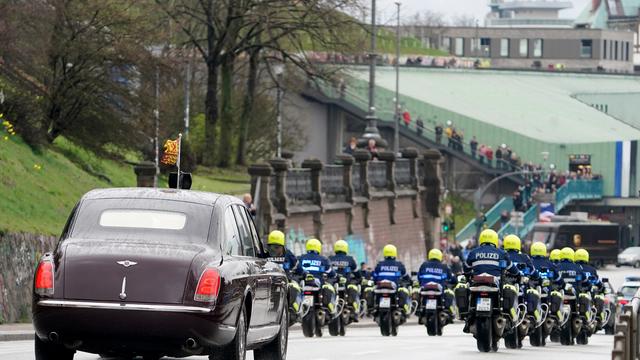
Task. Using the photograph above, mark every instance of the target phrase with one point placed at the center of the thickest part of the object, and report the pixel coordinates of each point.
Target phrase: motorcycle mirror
(414, 273)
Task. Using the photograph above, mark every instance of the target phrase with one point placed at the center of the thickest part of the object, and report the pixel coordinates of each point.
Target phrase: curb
(16, 335)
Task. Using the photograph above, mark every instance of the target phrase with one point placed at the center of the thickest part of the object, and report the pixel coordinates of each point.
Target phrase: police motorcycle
(534, 315)
(435, 300)
(488, 303)
(318, 305)
(551, 298)
(390, 310)
(351, 310)
(577, 309)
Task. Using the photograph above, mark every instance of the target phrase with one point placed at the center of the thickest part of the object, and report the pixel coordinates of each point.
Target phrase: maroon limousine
(154, 272)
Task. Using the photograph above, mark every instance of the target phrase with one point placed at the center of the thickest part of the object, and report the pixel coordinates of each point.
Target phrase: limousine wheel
(276, 349)
(49, 351)
(237, 350)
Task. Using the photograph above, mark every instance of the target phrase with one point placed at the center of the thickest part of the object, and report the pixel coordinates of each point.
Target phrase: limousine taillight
(44, 278)
(208, 286)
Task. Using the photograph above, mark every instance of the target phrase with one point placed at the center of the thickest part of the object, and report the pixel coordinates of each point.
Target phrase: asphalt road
(412, 342)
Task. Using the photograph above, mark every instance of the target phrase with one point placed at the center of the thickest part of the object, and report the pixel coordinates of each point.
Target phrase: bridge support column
(279, 197)
(363, 157)
(412, 155)
(389, 157)
(347, 180)
(260, 190)
(432, 182)
(316, 167)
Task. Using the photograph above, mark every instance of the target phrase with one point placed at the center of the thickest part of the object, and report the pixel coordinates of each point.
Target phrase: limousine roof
(198, 197)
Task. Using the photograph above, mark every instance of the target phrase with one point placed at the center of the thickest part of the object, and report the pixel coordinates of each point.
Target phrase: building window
(485, 47)
(626, 52)
(475, 46)
(459, 46)
(524, 47)
(605, 50)
(586, 48)
(446, 44)
(537, 48)
(616, 51)
(504, 47)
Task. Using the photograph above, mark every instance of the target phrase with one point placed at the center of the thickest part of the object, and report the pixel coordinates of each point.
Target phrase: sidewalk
(16, 332)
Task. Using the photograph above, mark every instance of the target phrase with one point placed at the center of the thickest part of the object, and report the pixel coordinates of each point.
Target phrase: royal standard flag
(170, 154)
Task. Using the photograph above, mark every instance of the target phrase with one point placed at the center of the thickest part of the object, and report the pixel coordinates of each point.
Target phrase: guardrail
(627, 338)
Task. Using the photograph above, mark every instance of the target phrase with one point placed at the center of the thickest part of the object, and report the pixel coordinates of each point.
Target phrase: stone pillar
(412, 155)
(316, 167)
(281, 202)
(363, 157)
(145, 174)
(389, 158)
(260, 189)
(347, 181)
(347, 176)
(432, 182)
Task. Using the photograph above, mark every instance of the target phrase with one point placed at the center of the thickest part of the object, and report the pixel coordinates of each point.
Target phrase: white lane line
(370, 352)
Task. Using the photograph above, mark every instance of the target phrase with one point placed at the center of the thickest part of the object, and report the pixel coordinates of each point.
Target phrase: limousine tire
(50, 351)
(237, 349)
(277, 348)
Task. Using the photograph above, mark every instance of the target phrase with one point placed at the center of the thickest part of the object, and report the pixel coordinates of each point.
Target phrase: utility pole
(371, 131)
(156, 114)
(187, 96)
(396, 128)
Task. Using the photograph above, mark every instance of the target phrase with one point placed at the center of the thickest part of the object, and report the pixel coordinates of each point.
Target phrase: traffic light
(445, 226)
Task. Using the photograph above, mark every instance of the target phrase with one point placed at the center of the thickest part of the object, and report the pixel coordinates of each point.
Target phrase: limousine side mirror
(185, 180)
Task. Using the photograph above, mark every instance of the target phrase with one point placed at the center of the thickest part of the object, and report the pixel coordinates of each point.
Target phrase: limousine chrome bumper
(124, 306)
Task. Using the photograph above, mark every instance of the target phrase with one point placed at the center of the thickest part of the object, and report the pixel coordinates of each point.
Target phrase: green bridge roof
(536, 113)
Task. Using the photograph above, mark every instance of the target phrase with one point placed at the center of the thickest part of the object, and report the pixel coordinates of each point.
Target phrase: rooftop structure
(528, 13)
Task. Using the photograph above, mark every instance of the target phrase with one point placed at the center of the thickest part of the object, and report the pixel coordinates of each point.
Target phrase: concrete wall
(312, 120)
(366, 243)
(19, 254)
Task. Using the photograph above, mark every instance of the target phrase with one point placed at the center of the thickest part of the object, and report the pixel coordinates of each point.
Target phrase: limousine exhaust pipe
(191, 343)
(54, 337)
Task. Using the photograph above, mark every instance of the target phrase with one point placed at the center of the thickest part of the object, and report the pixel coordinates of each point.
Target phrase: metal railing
(573, 190)
(626, 340)
(493, 216)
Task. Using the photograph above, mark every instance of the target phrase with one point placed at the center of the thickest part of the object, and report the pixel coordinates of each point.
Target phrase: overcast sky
(454, 8)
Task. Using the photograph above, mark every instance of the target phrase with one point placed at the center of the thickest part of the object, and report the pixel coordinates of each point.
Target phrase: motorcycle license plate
(483, 304)
(385, 303)
(308, 300)
(432, 304)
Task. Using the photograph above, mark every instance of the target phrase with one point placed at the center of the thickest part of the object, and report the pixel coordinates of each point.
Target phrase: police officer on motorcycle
(554, 256)
(320, 267)
(346, 268)
(592, 278)
(488, 258)
(282, 256)
(393, 270)
(433, 270)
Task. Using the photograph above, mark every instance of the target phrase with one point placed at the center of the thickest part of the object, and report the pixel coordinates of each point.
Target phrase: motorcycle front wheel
(335, 325)
(583, 338)
(484, 334)
(309, 324)
(566, 334)
(511, 339)
(537, 337)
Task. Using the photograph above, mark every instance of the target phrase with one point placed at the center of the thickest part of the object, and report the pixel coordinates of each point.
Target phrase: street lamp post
(371, 131)
(278, 70)
(396, 128)
(156, 115)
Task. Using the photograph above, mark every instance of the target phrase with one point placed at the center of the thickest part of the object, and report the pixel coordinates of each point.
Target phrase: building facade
(537, 48)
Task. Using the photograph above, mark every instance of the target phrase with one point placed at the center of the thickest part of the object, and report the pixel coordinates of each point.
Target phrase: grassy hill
(38, 190)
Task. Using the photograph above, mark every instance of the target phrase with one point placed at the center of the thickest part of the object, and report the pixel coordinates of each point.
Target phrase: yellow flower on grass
(6, 137)
(37, 167)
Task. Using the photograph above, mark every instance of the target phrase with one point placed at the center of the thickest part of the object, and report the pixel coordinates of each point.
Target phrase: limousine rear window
(144, 219)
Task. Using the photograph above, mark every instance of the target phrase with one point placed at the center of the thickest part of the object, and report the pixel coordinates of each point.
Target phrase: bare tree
(464, 21)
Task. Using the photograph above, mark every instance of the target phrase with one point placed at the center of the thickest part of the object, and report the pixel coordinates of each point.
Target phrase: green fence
(493, 216)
